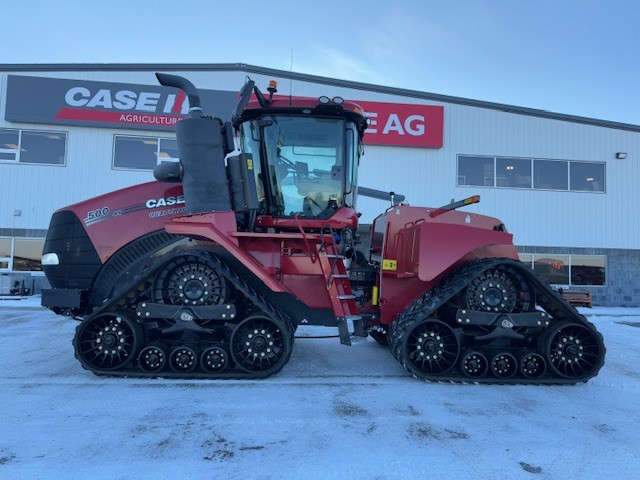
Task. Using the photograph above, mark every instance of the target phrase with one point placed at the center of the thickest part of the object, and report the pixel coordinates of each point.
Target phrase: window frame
(532, 161)
(158, 141)
(529, 260)
(17, 160)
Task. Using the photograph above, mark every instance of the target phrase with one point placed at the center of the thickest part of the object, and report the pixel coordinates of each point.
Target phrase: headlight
(50, 259)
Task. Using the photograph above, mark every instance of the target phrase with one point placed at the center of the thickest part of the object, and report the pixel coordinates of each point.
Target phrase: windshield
(303, 158)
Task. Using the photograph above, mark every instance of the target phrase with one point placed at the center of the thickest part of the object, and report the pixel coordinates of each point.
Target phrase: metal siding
(426, 176)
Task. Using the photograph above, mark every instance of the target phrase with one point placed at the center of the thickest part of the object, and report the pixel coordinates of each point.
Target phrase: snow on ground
(333, 412)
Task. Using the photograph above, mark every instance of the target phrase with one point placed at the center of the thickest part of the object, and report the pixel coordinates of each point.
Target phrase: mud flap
(350, 323)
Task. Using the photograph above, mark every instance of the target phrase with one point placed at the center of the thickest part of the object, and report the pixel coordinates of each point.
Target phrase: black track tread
(129, 291)
(428, 303)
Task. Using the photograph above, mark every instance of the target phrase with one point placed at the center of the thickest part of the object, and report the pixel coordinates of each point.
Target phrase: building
(564, 185)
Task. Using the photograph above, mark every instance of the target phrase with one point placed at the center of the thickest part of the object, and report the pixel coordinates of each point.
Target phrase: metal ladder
(339, 289)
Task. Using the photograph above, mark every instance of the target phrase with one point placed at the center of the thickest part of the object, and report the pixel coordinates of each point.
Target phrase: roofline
(243, 67)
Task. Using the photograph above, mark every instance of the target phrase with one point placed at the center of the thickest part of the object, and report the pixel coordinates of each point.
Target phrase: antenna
(291, 79)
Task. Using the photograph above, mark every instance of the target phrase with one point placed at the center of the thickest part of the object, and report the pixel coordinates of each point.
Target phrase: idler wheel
(215, 359)
(261, 344)
(106, 342)
(430, 347)
(503, 365)
(183, 359)
(152, 359)
(474, 365)
(531, 365)
(572, 350)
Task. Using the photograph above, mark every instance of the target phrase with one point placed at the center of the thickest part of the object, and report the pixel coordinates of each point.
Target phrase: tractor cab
(305, 155)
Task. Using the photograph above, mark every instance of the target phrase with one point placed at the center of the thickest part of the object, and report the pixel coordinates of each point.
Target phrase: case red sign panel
(404, 124)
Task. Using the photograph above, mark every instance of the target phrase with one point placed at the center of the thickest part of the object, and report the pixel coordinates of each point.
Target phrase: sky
(577, 57)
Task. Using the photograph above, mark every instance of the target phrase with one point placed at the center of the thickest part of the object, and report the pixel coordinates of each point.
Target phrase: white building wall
(426, 176)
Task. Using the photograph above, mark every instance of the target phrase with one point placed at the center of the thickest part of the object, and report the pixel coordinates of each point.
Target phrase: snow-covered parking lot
(333, 412)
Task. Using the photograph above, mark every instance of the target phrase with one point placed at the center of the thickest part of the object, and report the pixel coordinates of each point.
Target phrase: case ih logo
(105, 104)
(124, 106)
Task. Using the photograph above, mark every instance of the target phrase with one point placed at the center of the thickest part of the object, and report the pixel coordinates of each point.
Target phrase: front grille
(79, 261)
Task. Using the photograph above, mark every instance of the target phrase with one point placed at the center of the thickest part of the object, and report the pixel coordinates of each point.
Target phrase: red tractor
(209, 271)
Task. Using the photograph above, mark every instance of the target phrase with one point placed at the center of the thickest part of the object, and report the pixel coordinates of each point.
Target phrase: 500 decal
(95, 216)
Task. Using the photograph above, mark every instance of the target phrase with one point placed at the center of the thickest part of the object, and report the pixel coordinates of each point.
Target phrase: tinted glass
(9, 140)
(43, 147)
(513, 172)
(553, 268)
(588, 270)
(5, 247)
(139, 153)
(168, 150)
(526, 258)
(27, 254)
(550, 175)
(475, 171)
(587, 176)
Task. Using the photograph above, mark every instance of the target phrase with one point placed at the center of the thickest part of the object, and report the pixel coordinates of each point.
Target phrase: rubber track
(143, 280)
(546, 297)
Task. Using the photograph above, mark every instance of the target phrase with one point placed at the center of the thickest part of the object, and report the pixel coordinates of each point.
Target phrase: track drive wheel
(107, 342)
(500, 289)
(189, 280)
(430, 347)
(572, 350)
(261, 345)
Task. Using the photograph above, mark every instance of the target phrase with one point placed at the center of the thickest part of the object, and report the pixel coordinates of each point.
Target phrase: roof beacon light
(273, 86)
(323, 100)
(338, 100)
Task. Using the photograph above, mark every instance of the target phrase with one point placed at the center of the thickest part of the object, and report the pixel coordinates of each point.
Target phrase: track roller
(106, 342)
(503, 365)
(152, 358)
(215, 359)
(183, 359)
(531, 364)
(474, 364)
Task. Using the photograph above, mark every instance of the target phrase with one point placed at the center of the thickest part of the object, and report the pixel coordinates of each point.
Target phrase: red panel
(442, 245)
(404, 124)
(115, 219)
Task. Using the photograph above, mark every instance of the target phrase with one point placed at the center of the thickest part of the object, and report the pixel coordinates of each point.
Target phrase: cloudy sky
(577, 57)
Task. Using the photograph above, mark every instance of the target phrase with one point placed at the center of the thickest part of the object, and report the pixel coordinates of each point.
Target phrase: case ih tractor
(209, 271)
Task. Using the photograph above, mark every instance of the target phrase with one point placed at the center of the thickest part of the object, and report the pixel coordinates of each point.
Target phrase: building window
(21, 254)
(588, 270)
(142, 153)
(32, 147)
(586, 177)
(475, 171)
(540, 174)
(572, 270)
(27, 253)
(550, 175)
(5, 254)
(553, 268)
(513, 172)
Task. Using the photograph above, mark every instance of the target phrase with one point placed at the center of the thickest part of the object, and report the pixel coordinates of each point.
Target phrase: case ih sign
(103, 104)
(149, 107)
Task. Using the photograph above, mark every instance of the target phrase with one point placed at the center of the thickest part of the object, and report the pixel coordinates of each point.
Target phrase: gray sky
(577, 57)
